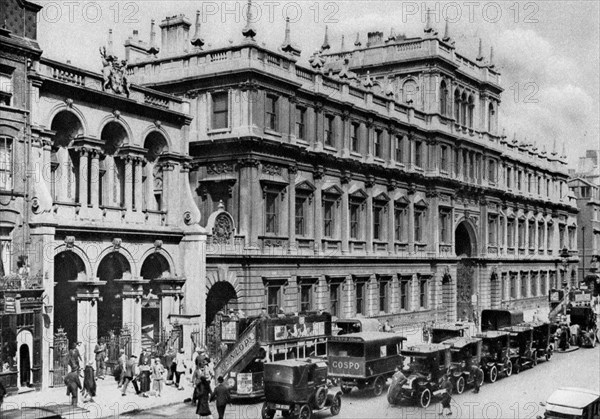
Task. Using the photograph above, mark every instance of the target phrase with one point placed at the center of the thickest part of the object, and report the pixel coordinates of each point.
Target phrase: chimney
(136, 35)
(374, 38)
(175, 31)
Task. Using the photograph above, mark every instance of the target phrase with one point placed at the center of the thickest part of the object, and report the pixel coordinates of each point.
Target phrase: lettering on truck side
(345, 365)
(234, 356)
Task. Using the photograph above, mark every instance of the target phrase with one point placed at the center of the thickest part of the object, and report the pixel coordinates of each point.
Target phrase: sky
(547, 52)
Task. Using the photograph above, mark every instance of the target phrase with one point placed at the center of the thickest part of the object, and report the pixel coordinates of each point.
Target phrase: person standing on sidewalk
(158, 372)
(204, 395)
(2, 394)
(89, 381)
(75, 358)
(144, 369)
(73, 384)
(131, 375)
(179, 369)
(221, 396)
(100, 351)
(122, 365)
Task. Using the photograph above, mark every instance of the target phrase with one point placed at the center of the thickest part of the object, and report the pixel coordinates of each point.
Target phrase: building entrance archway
(155, 266)
(113, 267)
(220, 298)
(465, 245)
(68, 267)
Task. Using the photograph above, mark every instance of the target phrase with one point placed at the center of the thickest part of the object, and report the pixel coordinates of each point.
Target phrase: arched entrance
(24, 354)
(466, 247)
(113, 266)
(68, 267)
(154, 267)
(220, 297)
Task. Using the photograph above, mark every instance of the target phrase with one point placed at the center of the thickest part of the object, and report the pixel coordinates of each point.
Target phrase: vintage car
(543, 339)
(441, 332)
(572, 403)
(297, 388)
(465, 367)
(423, 377)
(357, 325)
(494, 354)
(364, 360)
(585, 318)
(493, 319)
(521, 351)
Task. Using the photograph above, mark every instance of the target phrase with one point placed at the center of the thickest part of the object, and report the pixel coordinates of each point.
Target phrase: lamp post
(564, 254)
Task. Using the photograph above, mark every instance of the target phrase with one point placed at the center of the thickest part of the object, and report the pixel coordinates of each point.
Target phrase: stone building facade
(108, 218)
(372, 182)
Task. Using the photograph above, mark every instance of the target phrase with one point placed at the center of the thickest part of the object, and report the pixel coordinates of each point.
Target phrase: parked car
(298, 388)
(357, 325)
(543, 339)
(494, 354)
(441, 332)
(585, 318)
(466, 359)
(422, 378)
(572, 403)
(521, 350)
(364, 360)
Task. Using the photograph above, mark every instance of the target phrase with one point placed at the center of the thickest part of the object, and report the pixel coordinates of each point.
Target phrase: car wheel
(508, 369)
(305, 412)
(378, 386)
(425, 398)
(549, 353)
(460, 385)
(517, 368)
(336, 405)
(321, 397)
(480, 376)
(493, 374)
(266, 412)
(346, 389)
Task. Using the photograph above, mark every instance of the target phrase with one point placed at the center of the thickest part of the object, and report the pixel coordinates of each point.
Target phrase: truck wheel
(266, 412)
(321, 397)
(378, 386)
(336, 405)
(493, 374)
(305, 412)
(508, 369)
(425, 398)
(460, 385)
(346, 389)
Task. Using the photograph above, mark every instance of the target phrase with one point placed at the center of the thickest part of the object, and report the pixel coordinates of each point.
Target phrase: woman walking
(89, 382)
(204, 395)
(158, 372)
(144, 378)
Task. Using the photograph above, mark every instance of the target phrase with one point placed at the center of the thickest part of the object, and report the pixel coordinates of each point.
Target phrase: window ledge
(219, 131)
(269, 131)
(356, 154)
(379, 159)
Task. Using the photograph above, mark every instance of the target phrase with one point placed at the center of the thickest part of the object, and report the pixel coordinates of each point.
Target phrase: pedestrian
(73, 384)
(221, 396)
(196, 377)
(75, 358)
(264, 314)
(130, 375)
(89, 381)
(387, 327)
(446, 399)
(100, 351)
(122, 365)
(477, 378)
(158, 372)
(180, 369)
(204, 395)
(144, 357)
(144, 376)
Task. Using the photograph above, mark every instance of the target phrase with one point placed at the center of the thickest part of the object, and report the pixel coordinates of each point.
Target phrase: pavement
(107, 403)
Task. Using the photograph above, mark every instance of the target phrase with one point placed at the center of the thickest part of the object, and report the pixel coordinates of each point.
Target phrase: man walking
(131, 375)
(122, 365)
(75, 358)
(221, 396)
(73, 384)
(100, 351)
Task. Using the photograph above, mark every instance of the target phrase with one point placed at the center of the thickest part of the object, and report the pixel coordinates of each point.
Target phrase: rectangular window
(519, 180)
(220, 110)
(561, 237)
(503, 286)
(549, 238)
(360, 297)
(531, 234)
(300, 216)
(271, 213)
(457, 162)
(378, 147)
(493, 230)
(306, 297)
(377, 222)
(300, 122)
(6, 88)
(523, 286)
(521, 225)
(399, 149)
(508, 177)
(492, 171)
(354, 220)
(444, 158)
(471, 166)
(548, 188)
(334, 299)
(383, 295)
(511, 233)
(529, 182)
(539, 185)
(272, 112)
(329, 130)
(400, 222)
(328, 218)
(543, 287)
(354, 143)
(273, 299)
(571, 238)
(533, 283)
(423, 293)
(419, 220)
(540, 235)
(404, 293)
(6, 158)
(418, 154)
(513, 286)
(444, 226)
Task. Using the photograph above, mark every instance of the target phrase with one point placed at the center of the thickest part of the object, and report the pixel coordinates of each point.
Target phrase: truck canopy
(497, 319)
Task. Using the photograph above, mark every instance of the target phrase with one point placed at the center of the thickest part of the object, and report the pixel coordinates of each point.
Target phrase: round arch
(158, 130)
(168, 263)
(68, 268)
(113, 266)
(74, 110)
(121, 251)
(465, 239)
(77, 251)
(156, 144)
(221, 296)
(113, 119)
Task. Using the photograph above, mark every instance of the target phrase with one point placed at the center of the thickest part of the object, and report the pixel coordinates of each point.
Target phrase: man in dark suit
(222, 397)
(130, 375)
(73, 384)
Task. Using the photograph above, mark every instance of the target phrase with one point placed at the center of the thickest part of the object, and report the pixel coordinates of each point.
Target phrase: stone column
(129, 180)
(369, 216)
(292, 171)
(138, 187)
(318, 127)
(148, 197)
(391, 228)
(345, 213)
(87, 298)
(132, 312)
(95, 178)
(83, 176)
(248, 172)
(193, 256)
(318, 213)
(345, 146)
(411, 222)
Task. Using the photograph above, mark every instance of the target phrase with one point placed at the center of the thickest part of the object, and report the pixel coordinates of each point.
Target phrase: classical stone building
(374, 181)
(106, 212)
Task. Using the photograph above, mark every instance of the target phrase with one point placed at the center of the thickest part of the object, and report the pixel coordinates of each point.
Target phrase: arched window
(112, 166)
(410, 92)
(491, 118)
(152, 177)
(471, 106)
(6, 163)
(463, 109)
(64, 159)
(443, 98)
(457, 106)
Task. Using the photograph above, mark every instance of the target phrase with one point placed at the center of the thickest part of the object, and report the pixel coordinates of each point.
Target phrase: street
(514, 397)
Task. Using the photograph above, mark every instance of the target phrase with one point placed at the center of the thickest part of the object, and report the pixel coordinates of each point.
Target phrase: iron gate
(60, 361)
